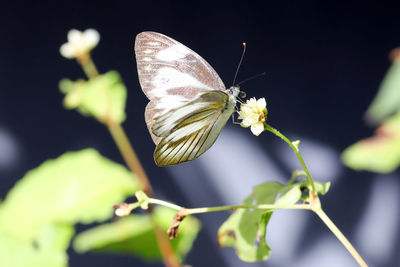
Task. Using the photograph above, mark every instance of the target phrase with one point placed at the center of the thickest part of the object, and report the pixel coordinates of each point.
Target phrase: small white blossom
(122, 210)
(253, 114)
(79, 43)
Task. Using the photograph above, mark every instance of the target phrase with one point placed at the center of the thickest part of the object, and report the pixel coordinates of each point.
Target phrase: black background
(323, 62)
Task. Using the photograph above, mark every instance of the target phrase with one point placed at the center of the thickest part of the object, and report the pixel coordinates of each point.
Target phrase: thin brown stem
(130, 157)
(128, 153)
(88, 66)
(168, 254)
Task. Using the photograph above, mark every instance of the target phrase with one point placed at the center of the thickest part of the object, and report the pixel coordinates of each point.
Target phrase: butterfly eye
(242, 94)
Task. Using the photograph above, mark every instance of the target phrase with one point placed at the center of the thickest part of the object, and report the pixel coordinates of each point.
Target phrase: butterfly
(189, 104)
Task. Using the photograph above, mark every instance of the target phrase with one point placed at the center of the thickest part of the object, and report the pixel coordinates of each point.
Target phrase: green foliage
(135, 235)
(38, 214)
(380, 153)
(76, 187)
(103, 97)
(245, 229)
(387, 100)
(48, 251)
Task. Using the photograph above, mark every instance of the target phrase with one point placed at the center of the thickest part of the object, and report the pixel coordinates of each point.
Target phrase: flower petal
(244, 124)
(74, 37)
(257, 128)
(253, 118)
(67, 50)
(251, 102)
(91, 38)
(246, 109)
(261, 104)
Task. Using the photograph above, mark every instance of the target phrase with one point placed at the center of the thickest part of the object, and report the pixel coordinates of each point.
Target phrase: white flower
(122, 210)
(253, 114)
(79, 43)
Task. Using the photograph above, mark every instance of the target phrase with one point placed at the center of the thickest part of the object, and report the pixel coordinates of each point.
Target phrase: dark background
(324, 62)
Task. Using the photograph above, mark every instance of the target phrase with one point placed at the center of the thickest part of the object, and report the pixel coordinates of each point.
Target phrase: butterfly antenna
(240, 63)
(251, 78)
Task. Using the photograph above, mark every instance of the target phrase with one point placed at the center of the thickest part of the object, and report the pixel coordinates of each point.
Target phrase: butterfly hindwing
(192, 128)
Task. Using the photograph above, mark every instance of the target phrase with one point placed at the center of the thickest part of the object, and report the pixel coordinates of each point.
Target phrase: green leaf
(55, 236)
(379, 153)
(134, 234)
(76, 187)
(245, 229)
(292, 195)
(387, 100)
(47, 251)
(300, 178)
(322, 188)
(103, 97)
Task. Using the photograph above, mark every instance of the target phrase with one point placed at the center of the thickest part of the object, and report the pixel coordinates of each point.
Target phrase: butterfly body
(189, 104)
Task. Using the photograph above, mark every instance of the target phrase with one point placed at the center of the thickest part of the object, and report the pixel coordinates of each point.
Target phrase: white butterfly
(189, 104)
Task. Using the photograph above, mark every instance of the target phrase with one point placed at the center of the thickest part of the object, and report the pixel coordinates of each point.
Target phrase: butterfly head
(234, 91)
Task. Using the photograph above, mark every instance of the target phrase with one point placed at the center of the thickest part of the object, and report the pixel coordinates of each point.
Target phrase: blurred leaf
(134, 234)
(387, 100)
(48, 250)
(103, 97)
(76, 187)
(245, 229)
(55, 237)
(379, 153)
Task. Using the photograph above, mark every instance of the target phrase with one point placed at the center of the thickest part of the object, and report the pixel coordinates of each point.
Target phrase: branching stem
(296, 150)
(314, 206)
(222, 208)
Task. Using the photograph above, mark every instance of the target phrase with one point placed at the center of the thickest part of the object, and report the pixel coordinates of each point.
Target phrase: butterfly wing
(188, 131)
(170, 74)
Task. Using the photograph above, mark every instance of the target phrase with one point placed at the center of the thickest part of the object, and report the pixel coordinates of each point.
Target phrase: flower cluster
(79, 43)
(253, 114)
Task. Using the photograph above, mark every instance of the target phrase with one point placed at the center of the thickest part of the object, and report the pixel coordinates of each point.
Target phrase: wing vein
(208, 134)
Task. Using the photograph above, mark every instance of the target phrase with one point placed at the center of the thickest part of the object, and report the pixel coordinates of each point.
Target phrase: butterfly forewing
(170, 74)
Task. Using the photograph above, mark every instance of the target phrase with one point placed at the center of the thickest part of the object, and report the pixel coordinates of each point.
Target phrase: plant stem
(340, 236)
(88, 66)
(256, 207)
(296, 150)
(130, 157)
(315, 203)
(164, 203)
(315, 206)
(128, 153)
(167, 252)
(233, 207)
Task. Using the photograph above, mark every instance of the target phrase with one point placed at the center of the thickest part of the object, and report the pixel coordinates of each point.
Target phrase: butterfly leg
(233, 119)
